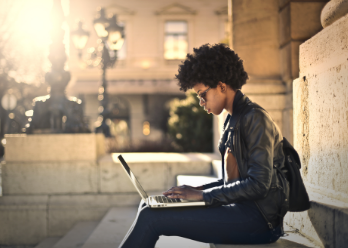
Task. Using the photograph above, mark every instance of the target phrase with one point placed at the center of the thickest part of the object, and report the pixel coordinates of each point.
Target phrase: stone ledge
(155, 171)
(53, 147)
(326, 222)
(194, 180)
(26, 220)
(62, 177)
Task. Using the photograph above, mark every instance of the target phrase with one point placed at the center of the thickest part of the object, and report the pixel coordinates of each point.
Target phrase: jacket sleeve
(213, 184)
(257, 133)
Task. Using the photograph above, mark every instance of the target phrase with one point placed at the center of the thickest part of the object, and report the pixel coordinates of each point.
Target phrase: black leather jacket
(257, 146)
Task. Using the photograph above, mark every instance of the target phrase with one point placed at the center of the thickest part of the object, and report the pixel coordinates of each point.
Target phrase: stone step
(292, 240)
(217, 169)
(112, 228)
(179, 242)
(77, 236)
(194, 180)
(48, 242)
(326, 222)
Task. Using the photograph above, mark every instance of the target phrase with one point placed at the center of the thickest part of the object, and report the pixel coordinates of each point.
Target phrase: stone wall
(321, 134)
(51, 182)
(320, 110)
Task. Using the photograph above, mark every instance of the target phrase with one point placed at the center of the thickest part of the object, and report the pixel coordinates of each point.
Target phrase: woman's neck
(230, 98)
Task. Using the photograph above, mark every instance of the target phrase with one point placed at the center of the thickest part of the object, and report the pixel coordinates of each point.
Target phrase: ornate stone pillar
(333, 10)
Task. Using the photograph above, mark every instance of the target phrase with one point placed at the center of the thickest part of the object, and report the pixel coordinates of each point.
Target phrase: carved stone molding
(333, 10)
(175, 9)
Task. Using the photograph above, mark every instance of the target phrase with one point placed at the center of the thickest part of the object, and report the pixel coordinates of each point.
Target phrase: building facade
(158, 35)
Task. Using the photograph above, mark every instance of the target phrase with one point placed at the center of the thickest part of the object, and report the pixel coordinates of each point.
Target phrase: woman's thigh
(225, 224)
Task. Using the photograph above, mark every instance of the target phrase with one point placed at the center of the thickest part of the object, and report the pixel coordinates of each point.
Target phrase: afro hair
(211, 64)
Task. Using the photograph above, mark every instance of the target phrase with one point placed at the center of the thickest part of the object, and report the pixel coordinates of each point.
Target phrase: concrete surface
(194, 180)
(281, 243)
(48, 242)
(77, 236)
(66, 210)
(112, 228)
(53, 147)
(324, 223)
(50, 177)
(23, 220)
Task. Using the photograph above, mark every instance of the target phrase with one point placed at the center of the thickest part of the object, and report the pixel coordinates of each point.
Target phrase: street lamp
(112, 38)
(80, 38)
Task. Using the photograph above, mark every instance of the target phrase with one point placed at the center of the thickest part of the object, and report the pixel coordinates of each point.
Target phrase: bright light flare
(26, 27)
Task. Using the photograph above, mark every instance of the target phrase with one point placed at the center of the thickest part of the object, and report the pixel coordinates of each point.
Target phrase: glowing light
(146, 128)
(28, 29)
(29, 113)
(145, 64)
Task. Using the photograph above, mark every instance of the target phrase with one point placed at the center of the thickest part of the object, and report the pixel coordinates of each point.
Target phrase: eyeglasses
(202, 96)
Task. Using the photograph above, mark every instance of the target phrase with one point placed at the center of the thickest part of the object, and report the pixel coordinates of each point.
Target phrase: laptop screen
(133, 178)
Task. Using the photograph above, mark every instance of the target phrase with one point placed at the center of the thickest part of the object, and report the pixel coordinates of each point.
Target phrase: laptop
(158, 201)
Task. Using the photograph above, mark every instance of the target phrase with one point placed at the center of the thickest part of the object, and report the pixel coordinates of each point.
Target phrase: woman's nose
(201, 103)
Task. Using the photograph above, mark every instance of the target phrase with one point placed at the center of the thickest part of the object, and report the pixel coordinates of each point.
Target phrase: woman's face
(213, 100)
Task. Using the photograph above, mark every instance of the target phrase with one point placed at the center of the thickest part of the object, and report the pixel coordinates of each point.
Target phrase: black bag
(298, 197)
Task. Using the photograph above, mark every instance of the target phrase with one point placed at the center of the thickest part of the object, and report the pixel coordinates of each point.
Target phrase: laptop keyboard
(163, 199)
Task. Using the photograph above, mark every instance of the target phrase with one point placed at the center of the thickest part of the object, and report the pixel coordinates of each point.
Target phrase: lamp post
(112, 38)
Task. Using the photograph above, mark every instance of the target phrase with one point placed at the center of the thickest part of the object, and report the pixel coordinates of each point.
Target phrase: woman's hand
(185, 192)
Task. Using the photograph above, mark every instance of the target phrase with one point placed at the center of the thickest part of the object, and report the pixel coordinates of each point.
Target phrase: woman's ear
(222, 86)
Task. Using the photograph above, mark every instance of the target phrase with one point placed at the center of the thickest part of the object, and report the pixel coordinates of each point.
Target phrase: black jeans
(239, 223)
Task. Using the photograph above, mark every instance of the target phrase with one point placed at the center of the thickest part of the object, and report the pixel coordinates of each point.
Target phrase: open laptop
(158, 201)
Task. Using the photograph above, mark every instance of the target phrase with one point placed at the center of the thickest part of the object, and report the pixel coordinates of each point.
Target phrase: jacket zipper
(257, 205)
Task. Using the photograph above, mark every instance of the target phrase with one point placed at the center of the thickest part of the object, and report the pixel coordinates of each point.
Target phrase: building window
(175, 40)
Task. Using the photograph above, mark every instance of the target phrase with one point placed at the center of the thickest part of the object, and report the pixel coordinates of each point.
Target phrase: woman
(247, 205)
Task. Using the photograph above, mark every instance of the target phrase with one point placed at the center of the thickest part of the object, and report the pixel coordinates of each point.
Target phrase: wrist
(199, 188)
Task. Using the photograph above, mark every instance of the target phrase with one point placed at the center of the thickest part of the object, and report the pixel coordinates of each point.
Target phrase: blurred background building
(158, 35)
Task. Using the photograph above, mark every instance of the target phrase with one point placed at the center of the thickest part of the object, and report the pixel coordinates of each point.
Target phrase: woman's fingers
(176, 196)
(173, 190)
(184, 192)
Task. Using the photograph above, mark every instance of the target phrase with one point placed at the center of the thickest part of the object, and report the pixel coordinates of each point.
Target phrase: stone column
(267, 35)
(320, 129)
(298, 21)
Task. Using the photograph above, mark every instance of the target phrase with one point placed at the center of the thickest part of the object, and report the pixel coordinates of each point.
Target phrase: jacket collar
(239, 102)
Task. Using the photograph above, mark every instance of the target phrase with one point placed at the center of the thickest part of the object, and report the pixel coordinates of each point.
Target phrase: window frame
(162, 19)
(175, 34)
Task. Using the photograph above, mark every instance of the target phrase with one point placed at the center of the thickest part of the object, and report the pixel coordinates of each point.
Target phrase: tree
(190, 126)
